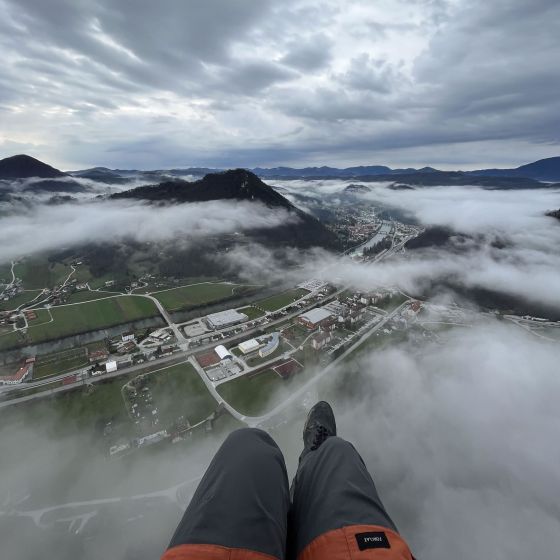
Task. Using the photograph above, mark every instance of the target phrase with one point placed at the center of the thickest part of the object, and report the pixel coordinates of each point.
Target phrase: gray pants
(243, 500)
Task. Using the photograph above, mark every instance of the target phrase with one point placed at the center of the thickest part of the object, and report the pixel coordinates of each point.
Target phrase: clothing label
(376, 539)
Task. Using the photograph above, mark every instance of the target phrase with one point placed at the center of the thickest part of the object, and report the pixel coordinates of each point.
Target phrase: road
(254, 421)
(187, 355)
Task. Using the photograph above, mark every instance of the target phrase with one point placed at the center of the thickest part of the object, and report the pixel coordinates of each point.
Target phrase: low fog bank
(462, 441)
(60, 497)
(45, 228)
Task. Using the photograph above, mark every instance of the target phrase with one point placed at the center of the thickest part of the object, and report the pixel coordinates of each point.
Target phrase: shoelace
(321, 435)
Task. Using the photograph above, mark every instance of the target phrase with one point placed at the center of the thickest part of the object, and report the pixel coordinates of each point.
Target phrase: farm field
(73, 319)
(86, 295)
(60, 362)
(39, 273)
(179, 391)
(252, 395)
(278, 301)
(185, 297)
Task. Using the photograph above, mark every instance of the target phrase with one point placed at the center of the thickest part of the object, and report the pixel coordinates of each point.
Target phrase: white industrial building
(225, 319)
(223, 352)
(249, 346)
(111, 366)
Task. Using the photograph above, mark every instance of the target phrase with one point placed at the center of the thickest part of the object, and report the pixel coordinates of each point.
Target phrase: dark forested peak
(554, 214)
(23, 167)
(236, 184)
(242, 185)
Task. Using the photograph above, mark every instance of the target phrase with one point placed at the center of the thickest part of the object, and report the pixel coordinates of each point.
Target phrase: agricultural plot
(10, 339)
(60, 362)
(186, 297)
(86, 295)
(68, 320)
(39, 273)
(281, 300)
(253, 395)
(179, 391)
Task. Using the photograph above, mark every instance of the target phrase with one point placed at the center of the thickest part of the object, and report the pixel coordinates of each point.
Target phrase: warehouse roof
(224, 318)
(316, 315)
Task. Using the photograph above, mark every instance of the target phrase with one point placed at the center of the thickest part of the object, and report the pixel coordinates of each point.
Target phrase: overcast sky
(144, 84)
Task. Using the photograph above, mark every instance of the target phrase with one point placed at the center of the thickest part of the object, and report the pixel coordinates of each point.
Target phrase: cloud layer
(460, 439)
(446, 82)
(43, 228)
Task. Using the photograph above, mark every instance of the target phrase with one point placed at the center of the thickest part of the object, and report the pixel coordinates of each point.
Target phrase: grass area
(74, 319)
(253, 395)
(252, 312)
(39, 273)
(186, 297)
(20, 299)
(179, 391)
(11, 339)
(99, 403)
(60, 362)
(86, 295)
(281, 300)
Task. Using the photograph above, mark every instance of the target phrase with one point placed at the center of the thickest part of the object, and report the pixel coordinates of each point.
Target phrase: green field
(73, 319)
(39, 273)
(252, 312)
(60, 362)
(10, 339)
(179, 391)
(281, 300)
(86, 295)
(20, 299)
(194, 295)
(253, 395)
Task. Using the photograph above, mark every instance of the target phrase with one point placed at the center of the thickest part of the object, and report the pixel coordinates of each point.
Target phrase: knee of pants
(335, 444)
(249, 438)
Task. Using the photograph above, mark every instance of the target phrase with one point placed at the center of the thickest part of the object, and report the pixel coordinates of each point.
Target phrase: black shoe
(320, 425)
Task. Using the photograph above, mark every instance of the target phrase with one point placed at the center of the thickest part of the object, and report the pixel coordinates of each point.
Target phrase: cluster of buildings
(330, 315)
(265, 345)
(12, 290)
(25, 371)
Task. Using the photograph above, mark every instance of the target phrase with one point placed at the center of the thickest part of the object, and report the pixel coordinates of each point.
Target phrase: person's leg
(241, 502)
(336, 506)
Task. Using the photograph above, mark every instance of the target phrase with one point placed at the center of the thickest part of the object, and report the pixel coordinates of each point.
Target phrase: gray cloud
(459, 437)
(71, 224)
(448, 83)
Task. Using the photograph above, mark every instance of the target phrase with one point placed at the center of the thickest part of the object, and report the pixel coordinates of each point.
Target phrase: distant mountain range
(526, 176)
(538, 174)
(242, 185)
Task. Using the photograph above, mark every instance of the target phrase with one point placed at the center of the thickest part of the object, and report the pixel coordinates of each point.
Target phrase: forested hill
(23, 167)
(242, 185)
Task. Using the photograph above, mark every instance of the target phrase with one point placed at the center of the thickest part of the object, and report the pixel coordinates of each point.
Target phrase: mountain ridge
(241, 185)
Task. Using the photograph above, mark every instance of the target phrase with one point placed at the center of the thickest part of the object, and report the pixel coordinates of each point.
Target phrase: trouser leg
(333, 489)
(243, 499)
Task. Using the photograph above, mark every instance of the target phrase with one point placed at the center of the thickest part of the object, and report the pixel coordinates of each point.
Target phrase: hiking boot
(320, 425)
